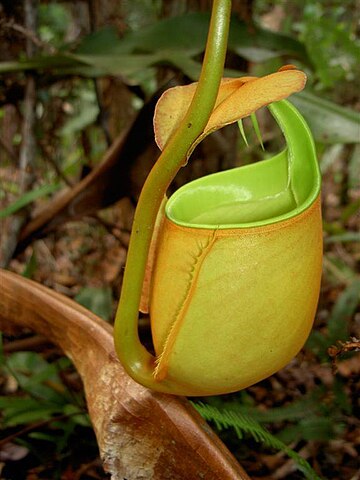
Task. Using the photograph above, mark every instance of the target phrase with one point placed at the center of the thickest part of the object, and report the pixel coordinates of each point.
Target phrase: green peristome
(259, 194)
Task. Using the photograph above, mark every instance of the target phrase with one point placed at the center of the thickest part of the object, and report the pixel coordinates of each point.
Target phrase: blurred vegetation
(95, 68)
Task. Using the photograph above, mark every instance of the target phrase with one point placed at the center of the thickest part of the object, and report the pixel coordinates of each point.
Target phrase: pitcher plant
(229, 266)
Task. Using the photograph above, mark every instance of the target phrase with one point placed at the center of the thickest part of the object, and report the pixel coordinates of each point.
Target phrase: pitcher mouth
(266, 192)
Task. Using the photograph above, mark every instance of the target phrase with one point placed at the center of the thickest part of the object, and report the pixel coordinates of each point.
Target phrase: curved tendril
(137, 361)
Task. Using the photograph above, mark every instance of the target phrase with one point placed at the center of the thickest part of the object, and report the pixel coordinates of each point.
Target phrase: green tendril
(137, 361)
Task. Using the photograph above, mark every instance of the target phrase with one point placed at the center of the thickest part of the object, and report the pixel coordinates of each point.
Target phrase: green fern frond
(244, 424)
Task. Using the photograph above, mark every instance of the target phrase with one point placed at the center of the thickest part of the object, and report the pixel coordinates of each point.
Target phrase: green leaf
(331, 42)
(37, 377)
(354, 169)
(53, 21)
(28, 198)
(174, 41)
(17, 403)
(318, 343)
(31, 363)
(185, 64)
(338, 269)
(30, 267)
(37, 414)
(97, 300)
(343, 237)
(21, 410)
(100, 42)
(332, 154)
(187, 33)
(58, 62)
(341, 397)
(47, 437)
(126, 65)
(320, 429)
(328, 122)
(258, 45)
(351, 209)
(77, 416)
